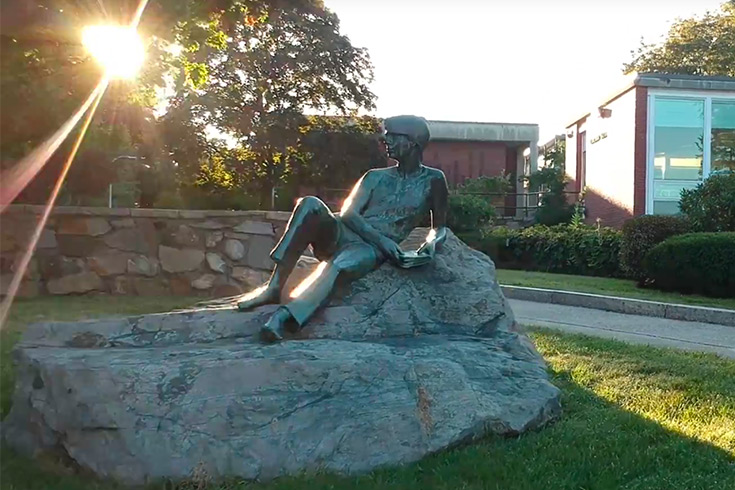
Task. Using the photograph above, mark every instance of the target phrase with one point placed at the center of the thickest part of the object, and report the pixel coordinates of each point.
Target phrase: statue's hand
(428, 248)
(391, 249)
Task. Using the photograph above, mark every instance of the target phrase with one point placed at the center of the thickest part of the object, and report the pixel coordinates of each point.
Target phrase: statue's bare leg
(311, 222)
(354, 260)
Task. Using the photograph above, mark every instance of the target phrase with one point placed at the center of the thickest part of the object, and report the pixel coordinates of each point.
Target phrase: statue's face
(398, 145)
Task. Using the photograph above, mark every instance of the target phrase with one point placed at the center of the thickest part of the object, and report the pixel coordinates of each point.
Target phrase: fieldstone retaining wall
(139, 251)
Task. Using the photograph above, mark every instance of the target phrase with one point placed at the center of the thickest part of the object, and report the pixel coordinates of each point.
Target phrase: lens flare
(118, 49)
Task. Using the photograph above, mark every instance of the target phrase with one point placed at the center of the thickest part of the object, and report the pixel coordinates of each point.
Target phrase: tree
(45, 75)
(262, 76)
(696, 46)
(336, 151)
(246, 68)
(551, 180)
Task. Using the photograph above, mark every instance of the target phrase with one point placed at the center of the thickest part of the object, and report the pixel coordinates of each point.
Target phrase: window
(690, 137)
(678, 150)
(723, 135)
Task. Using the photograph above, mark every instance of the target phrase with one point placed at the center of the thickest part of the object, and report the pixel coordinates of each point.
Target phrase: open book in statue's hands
(411, 259)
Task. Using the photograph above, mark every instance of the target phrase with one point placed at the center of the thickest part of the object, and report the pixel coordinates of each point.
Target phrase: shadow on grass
(620, 429)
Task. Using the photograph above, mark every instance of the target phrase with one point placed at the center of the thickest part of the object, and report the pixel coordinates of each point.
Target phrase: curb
(628, 306)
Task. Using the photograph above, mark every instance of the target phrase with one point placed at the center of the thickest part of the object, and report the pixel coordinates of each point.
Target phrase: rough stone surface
(176, 260)
(180, 285)
(216, 262)
(78, 245)
(214, 238)
(186, 237)
(259, 248)
(203, 282)
(27, 289)
(109, 264)
(75, 283)
(234, 249)
(255, 228)
(224, 290)
(209, 225)
(58, 266)
(47, 239)
(399, 365)
(83, 226)
(144, 266)
(123, 223)
(250, 277)
(128, 239)
(122, 285)
(150, 286)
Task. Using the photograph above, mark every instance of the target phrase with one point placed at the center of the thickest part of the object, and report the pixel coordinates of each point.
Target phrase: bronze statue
(385, 205)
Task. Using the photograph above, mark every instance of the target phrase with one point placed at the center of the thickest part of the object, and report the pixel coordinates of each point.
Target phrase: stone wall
(140, 251)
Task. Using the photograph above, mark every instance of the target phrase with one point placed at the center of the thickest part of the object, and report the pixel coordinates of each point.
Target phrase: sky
(515, 61)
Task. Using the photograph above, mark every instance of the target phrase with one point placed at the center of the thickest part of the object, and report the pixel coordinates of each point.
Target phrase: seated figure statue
(385, 205)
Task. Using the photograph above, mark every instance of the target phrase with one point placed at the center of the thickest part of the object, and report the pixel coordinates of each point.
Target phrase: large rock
(234, 249)
(399, 365)
(75, 283)
(176, 260)
(83, 226)
(255, 228)
(109, 264)
(259, 248)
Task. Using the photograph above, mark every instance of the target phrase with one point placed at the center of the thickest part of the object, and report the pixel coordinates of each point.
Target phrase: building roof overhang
(482, 131)
(665, 80)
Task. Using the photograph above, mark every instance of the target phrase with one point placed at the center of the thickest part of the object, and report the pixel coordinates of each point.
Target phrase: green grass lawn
(604, 286)
(634, 417)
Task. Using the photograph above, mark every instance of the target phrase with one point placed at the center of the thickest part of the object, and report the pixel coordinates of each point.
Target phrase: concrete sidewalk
(660, 332)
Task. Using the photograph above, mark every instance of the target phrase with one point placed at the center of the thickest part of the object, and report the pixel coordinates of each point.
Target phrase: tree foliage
(246, 70)
(696, 46)
(551, 181)
(258, 71)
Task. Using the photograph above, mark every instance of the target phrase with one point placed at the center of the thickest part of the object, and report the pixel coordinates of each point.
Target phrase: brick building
(643, 144)
(465, 150)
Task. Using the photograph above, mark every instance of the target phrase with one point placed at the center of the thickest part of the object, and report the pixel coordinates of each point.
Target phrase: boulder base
(401, 364)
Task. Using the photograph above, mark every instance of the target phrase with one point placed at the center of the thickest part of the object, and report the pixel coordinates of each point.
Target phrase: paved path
(661, 332)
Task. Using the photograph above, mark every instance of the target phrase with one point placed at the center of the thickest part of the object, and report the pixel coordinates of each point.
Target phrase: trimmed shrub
(711, 205)
(641, 234)
(469, 213)
(702, 263)
(582, 250)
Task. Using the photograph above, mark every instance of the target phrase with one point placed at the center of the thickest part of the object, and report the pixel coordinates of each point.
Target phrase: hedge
(469, 212)
(581, 250)
(711, 205)
(696, 263)
(641, 234)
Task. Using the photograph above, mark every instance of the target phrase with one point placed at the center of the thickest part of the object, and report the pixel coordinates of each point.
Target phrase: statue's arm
(439, 207)
(351, 215)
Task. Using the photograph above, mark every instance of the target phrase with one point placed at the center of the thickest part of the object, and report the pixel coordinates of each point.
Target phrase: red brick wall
(461, 160)
(641, 150)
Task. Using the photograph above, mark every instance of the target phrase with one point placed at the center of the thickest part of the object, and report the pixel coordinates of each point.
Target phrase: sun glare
(118, 49)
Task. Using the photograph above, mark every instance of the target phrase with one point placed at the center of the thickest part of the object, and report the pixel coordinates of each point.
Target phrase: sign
(597, 138)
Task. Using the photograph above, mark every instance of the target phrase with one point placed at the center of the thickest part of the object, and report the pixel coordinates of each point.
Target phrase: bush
(553, 207)
(701, 263)
(582, 250)
(469, 213)
(711, 205)
(641, 234)
(500, 184)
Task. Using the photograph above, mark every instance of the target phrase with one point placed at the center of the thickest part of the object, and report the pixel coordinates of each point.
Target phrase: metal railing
(506, 204)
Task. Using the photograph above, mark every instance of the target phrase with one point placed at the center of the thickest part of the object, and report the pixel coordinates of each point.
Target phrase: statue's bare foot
(264, 295)
(272, 331)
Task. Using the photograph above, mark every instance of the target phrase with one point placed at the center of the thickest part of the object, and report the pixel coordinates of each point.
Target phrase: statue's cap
(416, 128)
